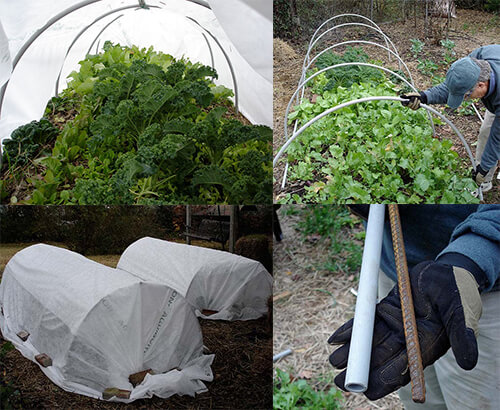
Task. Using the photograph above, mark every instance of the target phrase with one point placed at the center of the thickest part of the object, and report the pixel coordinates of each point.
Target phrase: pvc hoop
(344, 25)
(339, 16)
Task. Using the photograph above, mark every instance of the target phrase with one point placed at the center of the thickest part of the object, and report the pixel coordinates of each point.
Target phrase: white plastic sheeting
(249, 26)
(246, 39)
(5, 61)
(100, 325)
(237, 288)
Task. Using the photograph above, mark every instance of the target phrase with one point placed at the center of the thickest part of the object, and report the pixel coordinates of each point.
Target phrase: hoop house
(98, 327)
(308, 113)
(234, 287)
(43, 41)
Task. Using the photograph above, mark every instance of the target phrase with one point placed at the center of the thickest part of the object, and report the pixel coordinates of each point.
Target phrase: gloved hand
(415, 100)
(447, 307)
(479, 174)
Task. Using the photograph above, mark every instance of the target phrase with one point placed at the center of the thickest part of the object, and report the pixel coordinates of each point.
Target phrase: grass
(328, 222)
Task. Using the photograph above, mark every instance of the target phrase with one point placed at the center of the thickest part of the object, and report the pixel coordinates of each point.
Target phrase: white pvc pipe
(282, 354)
(358, 364)
(308, 54)
(361, 42)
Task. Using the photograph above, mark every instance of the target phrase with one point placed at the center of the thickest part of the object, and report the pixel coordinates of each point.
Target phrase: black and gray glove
(415, 99)
(479, 174)
(447, 307)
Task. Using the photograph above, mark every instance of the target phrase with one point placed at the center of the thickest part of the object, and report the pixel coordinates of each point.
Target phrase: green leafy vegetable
(146, 129)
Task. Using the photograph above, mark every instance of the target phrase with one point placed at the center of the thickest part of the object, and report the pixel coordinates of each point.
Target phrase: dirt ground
(242, 367)
(310, 304)
(471, 29)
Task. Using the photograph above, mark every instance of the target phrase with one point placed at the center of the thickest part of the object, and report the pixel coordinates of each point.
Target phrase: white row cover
(237, 288)
(100, 325)
(242, 27)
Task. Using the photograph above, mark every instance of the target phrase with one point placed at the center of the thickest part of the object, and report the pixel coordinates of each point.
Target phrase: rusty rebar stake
(409, 320)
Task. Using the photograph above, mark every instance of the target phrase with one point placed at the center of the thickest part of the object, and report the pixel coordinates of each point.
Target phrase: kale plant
(152, 129)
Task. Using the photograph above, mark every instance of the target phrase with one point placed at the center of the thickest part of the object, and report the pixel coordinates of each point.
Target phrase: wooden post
(188, 224)
(233, 221)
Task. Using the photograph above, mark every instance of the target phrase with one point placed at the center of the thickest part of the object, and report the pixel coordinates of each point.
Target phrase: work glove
(479, 175)
(447, 308)
(415, 100)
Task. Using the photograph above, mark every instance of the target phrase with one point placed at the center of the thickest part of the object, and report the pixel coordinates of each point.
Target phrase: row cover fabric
(168, 29)
(100, 325)
(237, 288)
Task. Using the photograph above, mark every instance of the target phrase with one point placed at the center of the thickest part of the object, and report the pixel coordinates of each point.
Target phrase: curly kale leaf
(198, 72)
(172, 156)
(251, 164)
(175, 72)
(29, 141)
(197, 90)
(150, 97)
(113, 191)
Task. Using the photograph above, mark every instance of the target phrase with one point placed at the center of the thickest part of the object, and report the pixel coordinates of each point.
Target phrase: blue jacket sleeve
(478, 238)
(437, 94)
(491, 152)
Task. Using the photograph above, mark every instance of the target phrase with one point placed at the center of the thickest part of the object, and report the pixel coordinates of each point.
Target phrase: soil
(241, 368)
(310, 303)
(471, 29)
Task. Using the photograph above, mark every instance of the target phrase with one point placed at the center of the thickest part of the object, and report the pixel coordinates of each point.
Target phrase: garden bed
(470, 30)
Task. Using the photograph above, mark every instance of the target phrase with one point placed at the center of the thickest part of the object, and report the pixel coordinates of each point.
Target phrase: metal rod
(407, 309)
(358, 362)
